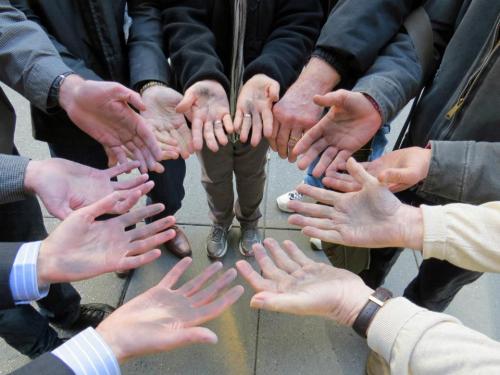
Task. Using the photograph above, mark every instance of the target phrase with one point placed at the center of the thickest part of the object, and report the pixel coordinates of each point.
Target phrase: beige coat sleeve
(416, 341)
(465, 235)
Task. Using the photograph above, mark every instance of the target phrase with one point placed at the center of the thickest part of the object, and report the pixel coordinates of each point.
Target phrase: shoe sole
(243, 252)
(284, 208)
(225, 249)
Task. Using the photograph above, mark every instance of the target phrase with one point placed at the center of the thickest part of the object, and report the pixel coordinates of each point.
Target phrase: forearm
(463, 171)
(394, 78)
(464, 235)
(148, 61)
(12, 175)
(415, 340)
(29, 71)
(318, 77)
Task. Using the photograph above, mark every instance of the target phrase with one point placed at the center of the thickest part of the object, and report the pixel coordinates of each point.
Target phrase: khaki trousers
(248, 166)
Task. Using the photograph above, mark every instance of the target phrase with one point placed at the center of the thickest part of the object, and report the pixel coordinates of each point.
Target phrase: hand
(205, 104)
(103, 111)
(296, 112)
(82, 247)
(399, 170)
(254, 108)
(294, 284)
(164, 318)
(349, 125)
(170, 127)
(65, 186)
(372, 217)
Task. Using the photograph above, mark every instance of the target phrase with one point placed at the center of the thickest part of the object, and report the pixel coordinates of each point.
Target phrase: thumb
(278, 302)
(335, 98)
(186, 103)
(190, 336)
(359, 173)
(274, 92)
(131, 97)
(397, 176)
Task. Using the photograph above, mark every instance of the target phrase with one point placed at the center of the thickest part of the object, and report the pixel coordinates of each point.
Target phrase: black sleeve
(296, 27)
(357, 30)
(75, 63)
(47, 364)
(147, 59)
(191, 43)
(9, 252)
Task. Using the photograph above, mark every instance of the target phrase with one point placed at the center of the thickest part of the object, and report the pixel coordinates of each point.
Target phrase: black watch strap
(53, 97)
(365, 317)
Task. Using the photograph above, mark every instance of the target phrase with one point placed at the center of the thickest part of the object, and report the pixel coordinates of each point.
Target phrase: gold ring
(294, 139)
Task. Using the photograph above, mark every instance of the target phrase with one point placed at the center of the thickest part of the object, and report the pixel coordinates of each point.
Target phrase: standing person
(90, 39)
(239, 68)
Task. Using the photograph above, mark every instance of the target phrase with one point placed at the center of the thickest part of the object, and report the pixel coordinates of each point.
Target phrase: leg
(27, 331)
(437, 283)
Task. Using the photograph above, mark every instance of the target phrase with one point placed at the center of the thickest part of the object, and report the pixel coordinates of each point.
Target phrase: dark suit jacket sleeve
(26, 69)
(47, 364)
(357, 30)
(8, 252)
(296, 26)
(191, 43)
(76, 64)
(147, 58)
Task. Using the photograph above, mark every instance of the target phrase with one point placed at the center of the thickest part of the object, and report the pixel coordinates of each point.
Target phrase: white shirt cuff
(88, 354)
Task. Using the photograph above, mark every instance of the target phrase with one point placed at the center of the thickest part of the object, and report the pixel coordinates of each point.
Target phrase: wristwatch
(375, 302)
(53, 97)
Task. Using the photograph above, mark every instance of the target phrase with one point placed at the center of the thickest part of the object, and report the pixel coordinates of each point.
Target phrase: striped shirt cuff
(88, 354)
(23, 279)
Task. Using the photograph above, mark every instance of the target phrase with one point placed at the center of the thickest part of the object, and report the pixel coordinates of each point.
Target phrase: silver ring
(218, 122)
(247, 115)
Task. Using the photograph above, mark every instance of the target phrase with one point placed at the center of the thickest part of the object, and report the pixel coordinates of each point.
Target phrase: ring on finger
(247, 115)
(218, 122)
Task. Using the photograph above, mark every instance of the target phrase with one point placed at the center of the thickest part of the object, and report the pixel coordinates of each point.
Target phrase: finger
(320, 195)
(295, 136)
(127, 167)
(273, 139)
(187, 141)
(325, 161)
(175, 339)
(336, 98)
(186, 103)
(208, 294)
(282, 141)
(228, 123)
(133, 262)
(256, 129)
(357, 171)
(112, 158)
(280, 258)
(208, 134)
(151, 228)
(131, 183)
(109, 203)
(245, 130)
(398, 176)
(117, 154)
(267, 121)
(304, 221)
(60, 211)
(339, 163)
(147, 142)
(134, 99)
(256, 281)
(341, 185)
(194, 285)
(139, 246)
(312, 154)
(219, 133)
(217, 307)
(141, 213)
(173, 276)
(146, 188)
(197, 129)
(137, 155)
(269, 269)
(279, 302)
(330, 236)
(311, 209)
(310, 137)
(296, 254)
(238, 120)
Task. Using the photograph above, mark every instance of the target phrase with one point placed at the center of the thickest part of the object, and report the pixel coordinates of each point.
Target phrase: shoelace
(295, 196)
(217, 234)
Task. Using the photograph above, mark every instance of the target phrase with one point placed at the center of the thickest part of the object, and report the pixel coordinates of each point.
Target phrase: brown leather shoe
(179, 245)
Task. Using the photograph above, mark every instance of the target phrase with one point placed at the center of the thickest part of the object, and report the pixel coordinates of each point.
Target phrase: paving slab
(236, 328)
(304, 345)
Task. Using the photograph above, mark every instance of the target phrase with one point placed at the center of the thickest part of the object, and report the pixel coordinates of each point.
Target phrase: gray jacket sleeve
(12, 170)
(28, 59)
(394, 78)
(463, 171)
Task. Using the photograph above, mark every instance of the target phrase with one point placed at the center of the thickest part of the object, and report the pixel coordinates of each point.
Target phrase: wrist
(33, 170)
(319, 76)
(107, 334)
(150, 85)
(68, 89)
(43, 264)
(359, 301)
(412, 223)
